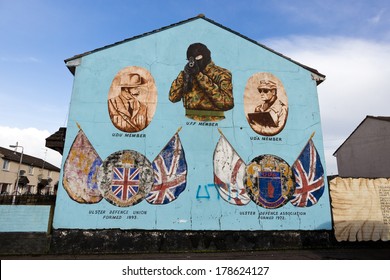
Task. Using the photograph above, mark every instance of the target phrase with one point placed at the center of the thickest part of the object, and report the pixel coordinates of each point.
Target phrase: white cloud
(377, 18)
(33, 142)
(24, 59)
(357, 82)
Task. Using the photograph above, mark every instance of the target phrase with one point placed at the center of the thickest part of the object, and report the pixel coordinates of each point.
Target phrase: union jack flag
(309, 177)
(125, 182)
(170, 173)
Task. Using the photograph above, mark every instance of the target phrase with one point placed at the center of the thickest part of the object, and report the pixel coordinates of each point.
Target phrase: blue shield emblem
(270, 184)
(269, 181)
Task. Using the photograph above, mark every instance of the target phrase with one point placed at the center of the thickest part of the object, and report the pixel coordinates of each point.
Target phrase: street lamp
(20, 163)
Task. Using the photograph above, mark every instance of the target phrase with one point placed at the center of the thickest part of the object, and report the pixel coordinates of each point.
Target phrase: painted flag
(80, 171)
(229, 171)
(309, 177)
(125, 178)
(170, 173)
(125, 182)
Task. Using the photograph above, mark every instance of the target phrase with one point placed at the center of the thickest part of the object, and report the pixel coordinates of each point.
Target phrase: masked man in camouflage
(205, 88)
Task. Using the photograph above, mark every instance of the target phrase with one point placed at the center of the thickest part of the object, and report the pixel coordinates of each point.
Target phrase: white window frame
(6, 164)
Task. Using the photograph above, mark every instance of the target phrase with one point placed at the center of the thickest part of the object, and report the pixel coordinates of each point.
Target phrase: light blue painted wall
(24, 218)
(163, 55)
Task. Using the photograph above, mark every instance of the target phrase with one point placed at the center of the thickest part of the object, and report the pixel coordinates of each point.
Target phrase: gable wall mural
(192, 128)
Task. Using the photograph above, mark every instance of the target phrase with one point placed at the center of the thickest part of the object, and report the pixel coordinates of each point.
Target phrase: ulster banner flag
(80, 171)
(170, 173)
(309, 177)
(229, 171)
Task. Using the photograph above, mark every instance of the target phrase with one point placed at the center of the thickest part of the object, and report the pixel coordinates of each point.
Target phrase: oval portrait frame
(147, 99)
(273, 119)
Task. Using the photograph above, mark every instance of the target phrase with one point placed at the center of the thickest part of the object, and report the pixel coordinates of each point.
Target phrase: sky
(347, 40)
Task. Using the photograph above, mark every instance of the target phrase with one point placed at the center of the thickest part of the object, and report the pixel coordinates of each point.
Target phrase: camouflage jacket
(210, 96)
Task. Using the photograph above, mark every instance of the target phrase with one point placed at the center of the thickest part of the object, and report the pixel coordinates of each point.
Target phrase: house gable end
(356, 132)
(74, 61)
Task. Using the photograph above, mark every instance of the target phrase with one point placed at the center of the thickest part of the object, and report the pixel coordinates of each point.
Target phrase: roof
(379, 118)
(27, 159)
(56, 141)
(319, 77)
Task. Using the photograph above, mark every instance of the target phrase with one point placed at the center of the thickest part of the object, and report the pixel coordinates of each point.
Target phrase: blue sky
(348, 41)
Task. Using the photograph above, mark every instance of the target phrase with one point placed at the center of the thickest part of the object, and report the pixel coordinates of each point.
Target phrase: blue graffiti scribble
(206, 194)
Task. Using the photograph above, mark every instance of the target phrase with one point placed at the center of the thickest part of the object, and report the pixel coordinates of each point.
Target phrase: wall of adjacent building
(366, 153)
(25, 218)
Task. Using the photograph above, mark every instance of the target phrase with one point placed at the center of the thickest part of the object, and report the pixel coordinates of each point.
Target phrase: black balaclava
(197, 49)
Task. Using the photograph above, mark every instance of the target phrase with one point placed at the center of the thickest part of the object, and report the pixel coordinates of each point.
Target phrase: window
(4, 188)
(31, 170)
(48, 173)
(5, 164)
